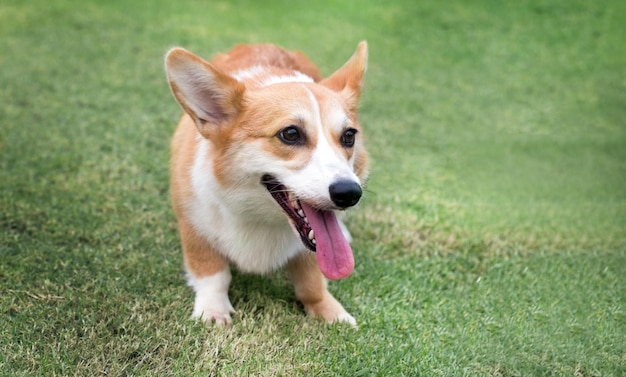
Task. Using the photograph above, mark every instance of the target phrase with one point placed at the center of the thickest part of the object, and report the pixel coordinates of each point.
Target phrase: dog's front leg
(311, 290)
(208, 273)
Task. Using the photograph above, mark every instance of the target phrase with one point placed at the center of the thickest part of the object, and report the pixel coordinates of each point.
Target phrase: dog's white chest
(247, 229)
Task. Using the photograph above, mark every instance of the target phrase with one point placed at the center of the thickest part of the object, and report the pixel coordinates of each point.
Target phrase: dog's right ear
(209, 96)
(348, 80)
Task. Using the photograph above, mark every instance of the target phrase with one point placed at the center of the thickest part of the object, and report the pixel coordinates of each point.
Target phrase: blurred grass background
(491, 240)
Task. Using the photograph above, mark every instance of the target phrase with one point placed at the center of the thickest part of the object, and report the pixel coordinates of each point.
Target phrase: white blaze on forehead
(316, 113)
(328, 163)
(334, 118)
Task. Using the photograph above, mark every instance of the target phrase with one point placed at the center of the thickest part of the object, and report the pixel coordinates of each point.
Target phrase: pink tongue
(334, 255)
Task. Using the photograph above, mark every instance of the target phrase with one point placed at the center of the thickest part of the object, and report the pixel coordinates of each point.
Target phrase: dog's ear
(209, 96)
(348, 80)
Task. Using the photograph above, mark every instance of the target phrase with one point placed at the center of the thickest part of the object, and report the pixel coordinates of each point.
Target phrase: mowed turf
(491, 239)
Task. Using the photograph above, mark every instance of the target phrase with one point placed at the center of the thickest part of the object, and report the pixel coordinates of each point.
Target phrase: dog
(265, 159)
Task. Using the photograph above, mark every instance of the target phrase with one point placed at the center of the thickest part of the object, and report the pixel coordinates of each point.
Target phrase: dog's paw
(210, 317)
(212, 304)
(345, 318)
(331, 310)
(213, 310)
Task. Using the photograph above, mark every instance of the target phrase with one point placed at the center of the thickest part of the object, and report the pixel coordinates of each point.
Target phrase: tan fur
(200, 258)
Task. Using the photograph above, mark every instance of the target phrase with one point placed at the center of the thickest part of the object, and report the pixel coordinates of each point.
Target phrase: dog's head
(292, 141)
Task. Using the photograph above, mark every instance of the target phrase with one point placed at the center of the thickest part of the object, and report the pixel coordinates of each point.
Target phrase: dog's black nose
(345, 193)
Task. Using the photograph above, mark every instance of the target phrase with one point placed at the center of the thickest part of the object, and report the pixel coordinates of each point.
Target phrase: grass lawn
(491, 240)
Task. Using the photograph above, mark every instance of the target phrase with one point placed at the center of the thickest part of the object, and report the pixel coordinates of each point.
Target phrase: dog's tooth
(301, 213)
(306, 219)
(311, 235)
(314, 242)
(293, 201)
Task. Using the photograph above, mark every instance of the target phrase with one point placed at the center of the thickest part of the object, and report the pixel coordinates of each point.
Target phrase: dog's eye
(291, 135)
(348, 137)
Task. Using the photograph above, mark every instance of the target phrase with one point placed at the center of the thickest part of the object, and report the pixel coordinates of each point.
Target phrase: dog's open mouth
(319, 230)
(292, 207)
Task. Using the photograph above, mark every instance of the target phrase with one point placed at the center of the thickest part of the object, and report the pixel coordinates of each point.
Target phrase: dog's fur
(266, 151)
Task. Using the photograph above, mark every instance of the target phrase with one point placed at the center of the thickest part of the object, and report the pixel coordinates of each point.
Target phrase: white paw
(212, 303)
(345, 317)
(219, 317)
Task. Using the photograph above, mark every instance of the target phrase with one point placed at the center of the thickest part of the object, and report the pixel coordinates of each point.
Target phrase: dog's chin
(292, 208)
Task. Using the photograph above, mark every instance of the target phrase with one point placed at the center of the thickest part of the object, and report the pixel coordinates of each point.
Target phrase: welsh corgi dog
(265, 159)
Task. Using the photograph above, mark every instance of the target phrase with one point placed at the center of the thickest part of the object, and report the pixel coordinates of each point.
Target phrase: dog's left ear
(348, 80)
(209, 96)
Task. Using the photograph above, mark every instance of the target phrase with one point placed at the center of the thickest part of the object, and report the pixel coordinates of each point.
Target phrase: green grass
(491, 241)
